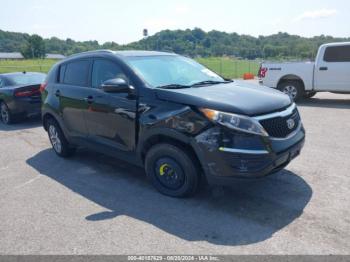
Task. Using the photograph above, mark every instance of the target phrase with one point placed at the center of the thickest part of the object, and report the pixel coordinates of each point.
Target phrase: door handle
(323, 68)
(89, 99)
(58, 93)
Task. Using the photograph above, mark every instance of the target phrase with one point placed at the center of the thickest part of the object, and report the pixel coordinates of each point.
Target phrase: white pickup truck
(330, 72)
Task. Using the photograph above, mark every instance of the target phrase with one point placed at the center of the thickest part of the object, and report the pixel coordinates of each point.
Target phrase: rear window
(76, 73)
(337, 54)
(26, 79)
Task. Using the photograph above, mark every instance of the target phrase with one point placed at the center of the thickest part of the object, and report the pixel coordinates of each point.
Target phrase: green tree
(34, 47)
(188, 42)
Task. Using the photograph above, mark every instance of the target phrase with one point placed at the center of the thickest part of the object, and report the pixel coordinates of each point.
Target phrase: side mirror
(116, 85)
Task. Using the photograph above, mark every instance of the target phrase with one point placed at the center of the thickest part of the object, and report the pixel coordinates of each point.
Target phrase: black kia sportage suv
(170, 115)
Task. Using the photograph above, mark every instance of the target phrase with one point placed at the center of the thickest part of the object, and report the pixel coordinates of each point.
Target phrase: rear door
(332, 71)
(111, 116)
(73, 93)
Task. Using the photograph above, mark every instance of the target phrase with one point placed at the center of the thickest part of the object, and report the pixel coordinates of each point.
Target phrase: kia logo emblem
(290, 123)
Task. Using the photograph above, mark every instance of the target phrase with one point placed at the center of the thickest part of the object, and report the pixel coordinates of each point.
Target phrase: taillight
(42, 87)
(26, 93)
(262, 72)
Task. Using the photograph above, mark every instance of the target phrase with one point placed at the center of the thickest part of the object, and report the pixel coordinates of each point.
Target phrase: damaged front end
(225, 148)
(226, 153)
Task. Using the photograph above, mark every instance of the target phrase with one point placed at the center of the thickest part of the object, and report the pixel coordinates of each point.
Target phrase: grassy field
(226, 67)
(37, 65)
(230, 68)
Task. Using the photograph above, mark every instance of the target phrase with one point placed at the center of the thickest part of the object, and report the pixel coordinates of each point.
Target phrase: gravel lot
(93, 204)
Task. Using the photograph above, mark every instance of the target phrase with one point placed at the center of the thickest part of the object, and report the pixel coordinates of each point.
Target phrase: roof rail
(91, 52)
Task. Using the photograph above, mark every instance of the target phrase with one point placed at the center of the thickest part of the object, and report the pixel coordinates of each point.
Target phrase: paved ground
(97, 205)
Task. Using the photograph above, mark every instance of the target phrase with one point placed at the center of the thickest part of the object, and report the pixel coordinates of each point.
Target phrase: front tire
(293, 89)
(172, 170)
(6, 116)
(58, 141)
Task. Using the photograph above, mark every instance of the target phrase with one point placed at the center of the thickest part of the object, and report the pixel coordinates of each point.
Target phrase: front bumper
(226, 155)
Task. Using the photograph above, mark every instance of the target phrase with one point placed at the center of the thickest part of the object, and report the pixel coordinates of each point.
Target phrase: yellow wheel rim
(162, 169)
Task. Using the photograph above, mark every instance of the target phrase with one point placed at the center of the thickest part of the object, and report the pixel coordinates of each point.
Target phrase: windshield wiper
(202, 83)
(173, 86)
(211, 82)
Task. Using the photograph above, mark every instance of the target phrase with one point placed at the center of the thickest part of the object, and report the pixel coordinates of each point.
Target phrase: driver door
(110, 118)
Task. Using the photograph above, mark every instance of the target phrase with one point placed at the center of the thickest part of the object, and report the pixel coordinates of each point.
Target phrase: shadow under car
(326, 103)
(246, 213)
(26, 123)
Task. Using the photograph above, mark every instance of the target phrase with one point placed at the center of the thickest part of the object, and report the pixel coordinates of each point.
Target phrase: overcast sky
(122, 21)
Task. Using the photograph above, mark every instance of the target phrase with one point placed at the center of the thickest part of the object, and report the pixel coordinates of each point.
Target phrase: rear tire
(6, 117)
(58, 141)
(294, 89)
(172, 170)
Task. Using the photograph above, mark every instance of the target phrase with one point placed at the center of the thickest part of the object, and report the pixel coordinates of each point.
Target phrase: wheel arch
(3, 100)
(291, 77)
(45, 118)
(161, 137)
(170, 137)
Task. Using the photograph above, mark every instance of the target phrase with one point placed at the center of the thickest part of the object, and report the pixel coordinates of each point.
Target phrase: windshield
(165, 70)
(26, 79)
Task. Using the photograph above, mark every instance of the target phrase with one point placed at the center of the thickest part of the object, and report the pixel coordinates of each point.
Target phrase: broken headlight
(233, 121)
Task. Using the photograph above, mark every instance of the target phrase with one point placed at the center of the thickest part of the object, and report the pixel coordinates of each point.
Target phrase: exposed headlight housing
(233, 121)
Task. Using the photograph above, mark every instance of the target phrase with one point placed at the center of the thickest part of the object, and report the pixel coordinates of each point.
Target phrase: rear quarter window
(76, 73)
(337, 54)
(61, 72)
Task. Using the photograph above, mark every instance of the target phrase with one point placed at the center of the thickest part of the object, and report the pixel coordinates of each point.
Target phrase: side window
(1, 82)
(77, 73)
(337, 54)
(104, 70)
(61, 73)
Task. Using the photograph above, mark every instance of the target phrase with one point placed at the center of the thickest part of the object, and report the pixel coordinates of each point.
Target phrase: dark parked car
(170, 115)
(20, 95)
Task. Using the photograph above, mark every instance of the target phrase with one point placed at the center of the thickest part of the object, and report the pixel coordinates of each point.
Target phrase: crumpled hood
(236, 97)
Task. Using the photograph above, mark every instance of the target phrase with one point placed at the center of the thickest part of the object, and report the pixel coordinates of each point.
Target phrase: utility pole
(145, 35)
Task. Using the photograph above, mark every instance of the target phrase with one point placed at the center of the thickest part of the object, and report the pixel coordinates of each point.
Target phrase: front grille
(278, 126)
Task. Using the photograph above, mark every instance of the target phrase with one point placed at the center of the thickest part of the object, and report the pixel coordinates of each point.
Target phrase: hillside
(194, 42)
